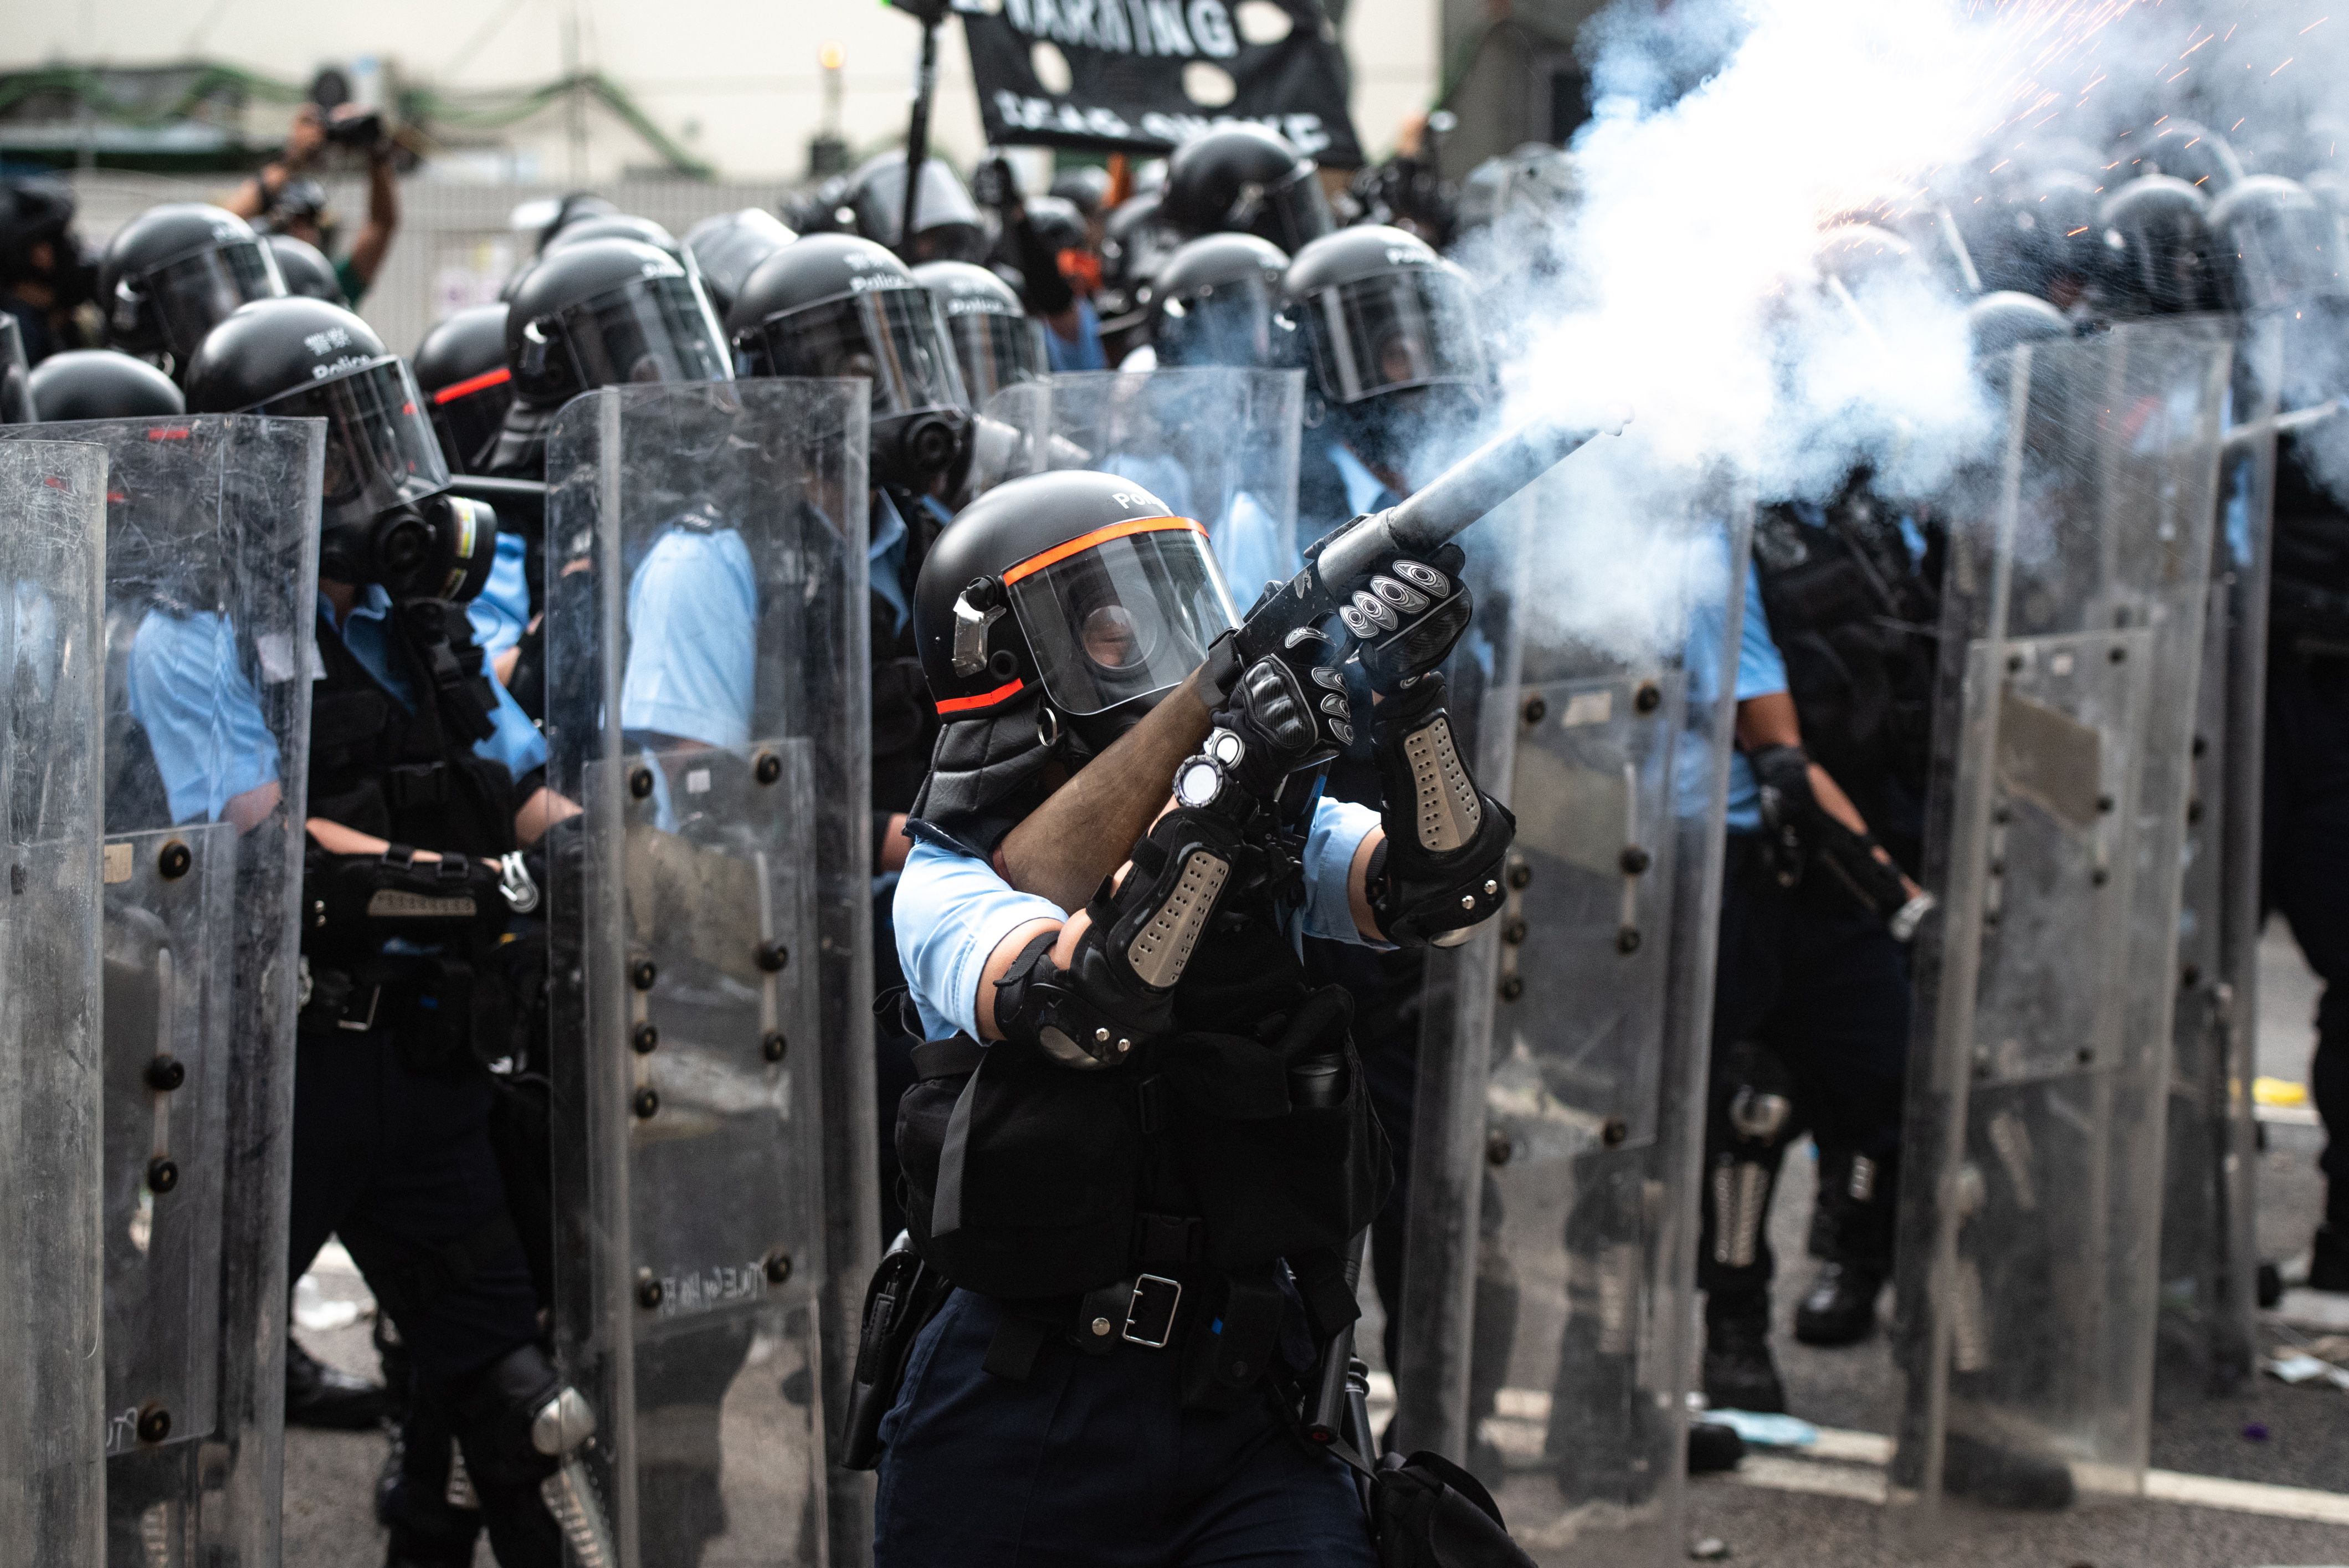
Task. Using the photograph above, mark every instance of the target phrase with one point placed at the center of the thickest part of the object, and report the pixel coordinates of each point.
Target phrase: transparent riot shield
(211, 593)
(2072, 653)
(52, 1395)
(1547, 1326)
(2209, 1257)
(715, 1171)
(1216, 444)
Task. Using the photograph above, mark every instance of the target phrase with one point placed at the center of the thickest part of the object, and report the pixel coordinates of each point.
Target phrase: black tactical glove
(1275, 720)
(1439, 873)
(1118, 993)
(1410, 615)
(1798, 830)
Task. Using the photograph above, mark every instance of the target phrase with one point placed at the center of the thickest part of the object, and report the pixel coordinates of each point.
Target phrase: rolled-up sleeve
(951, 912)
(1337, 834)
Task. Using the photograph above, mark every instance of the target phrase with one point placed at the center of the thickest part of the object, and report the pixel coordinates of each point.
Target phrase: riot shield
(2209, 1258)
(710, 915)
(1216, 444)
(1557, 1142)
(2072, 650)
(211, 593)
(52, 1424)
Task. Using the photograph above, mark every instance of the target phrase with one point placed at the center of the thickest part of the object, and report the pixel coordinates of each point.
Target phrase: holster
(903, 1295)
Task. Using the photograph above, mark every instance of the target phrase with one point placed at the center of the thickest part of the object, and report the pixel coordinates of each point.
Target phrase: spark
(2075, 234)
(2278, 70)
(2313, 26)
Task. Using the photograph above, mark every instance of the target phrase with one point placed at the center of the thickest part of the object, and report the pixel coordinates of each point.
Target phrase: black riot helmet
(1217, 302)
(1136, 240)
(1243, 178)
(2156, 260)
(34, 212)
(550, 215)
(2043, 239)
(728, 247)
(2275, 244)
(101, 384)
(385, 516)
(996, 344)
(2183, 149)
(947, 224)
(1086, 187)
(307, 271)
(461, 367)
(2006, 320)
(1059, 224)
(174, 272)
(617, 226)
(16, 374)
(1379, 311)
(603, 312)
(1055, 612)
(836, 305)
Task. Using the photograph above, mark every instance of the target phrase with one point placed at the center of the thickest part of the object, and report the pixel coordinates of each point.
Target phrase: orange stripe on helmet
(984, 699)
(1085, 542)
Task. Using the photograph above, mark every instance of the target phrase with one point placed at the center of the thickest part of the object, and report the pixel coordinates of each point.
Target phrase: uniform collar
(1365, 491)
(373, 603)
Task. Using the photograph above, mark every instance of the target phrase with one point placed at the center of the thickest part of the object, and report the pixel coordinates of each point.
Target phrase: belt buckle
(1150, 1312)
(375, 997)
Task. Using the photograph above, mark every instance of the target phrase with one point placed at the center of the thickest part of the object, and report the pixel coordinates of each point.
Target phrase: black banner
(1126, 65)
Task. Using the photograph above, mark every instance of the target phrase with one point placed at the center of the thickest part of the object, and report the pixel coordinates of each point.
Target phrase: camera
(362, 130)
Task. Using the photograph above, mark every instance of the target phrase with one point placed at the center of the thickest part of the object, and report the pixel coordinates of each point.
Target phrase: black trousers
(2305, 872)
(1811, 978)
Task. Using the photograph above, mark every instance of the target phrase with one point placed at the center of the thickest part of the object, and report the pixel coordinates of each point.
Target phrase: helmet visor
(468, 414)
(2286, 255)
(381, 452)
(1409, 327)
(1291, 214)
(655, 328)
(191, 296)
(1231, 324)
(1124, 612)
(880, 206)
(995, 351)
(893, 337)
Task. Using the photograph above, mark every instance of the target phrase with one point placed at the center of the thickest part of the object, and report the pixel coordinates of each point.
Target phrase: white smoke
(1728, 135)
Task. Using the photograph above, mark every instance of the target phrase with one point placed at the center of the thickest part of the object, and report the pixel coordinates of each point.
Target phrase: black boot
(320, 1395)
(1739, 1371)
(1713, 1447)
(2003, 1476)
(1840, 1307)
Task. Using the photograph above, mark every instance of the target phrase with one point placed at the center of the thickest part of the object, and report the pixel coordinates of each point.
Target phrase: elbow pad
(1118, 993)
(1441, 874)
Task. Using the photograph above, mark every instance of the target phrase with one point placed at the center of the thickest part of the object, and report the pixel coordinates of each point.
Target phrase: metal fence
(455, 246)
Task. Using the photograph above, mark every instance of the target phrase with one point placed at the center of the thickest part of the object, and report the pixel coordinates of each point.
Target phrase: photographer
(290, 202)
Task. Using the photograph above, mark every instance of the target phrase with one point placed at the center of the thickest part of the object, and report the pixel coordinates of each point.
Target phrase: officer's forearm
(541, 811)
(336, 839)
(251, 809)
(1083, 831)
(1358, 886)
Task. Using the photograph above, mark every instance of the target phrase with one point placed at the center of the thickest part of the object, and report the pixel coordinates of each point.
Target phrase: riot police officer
(1217, 301)
(174, 273)
(728, 247)
(1243, 178)
(45, 278)
(460, 368)
(836, 305)
(305, 268)
(996, 344)
(1133, 1288)
(424, 783)
(946, 222)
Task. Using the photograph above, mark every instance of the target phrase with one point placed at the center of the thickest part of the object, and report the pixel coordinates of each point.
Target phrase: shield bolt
(642, 973)
(166, 1072)
(646, 1104)
(774, 956)
(1514, 932)
(640, 782)
(1648, 698)
(2119, 654)
(154, 1423)
(2201, 745)
(1626, 940)
(1513, 988)
(648, 1290)
(1535, 710)
(1614, 1131)
(2099, 876)
(1635, 860)
(778, 1265)
(644, 1038)
(2087, 1055)
(1519, 874)
(2104, 805)
(768, 768)
(2188, 977)
(771, 1045)
(1498, 1148)
(161, 1176)
(2194, 811)
(173, 861)
(2014, 663)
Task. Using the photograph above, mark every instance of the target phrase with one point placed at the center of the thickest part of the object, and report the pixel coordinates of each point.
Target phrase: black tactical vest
(904, 716)
(1857, 624)
(411, 777)
(2308, 610)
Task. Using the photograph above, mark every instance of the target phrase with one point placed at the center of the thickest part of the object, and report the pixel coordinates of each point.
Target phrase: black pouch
(443, 1006)
(1428, 1513)
(1019, 1174)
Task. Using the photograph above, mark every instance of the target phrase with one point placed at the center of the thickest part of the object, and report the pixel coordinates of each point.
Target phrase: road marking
(1849, 1464)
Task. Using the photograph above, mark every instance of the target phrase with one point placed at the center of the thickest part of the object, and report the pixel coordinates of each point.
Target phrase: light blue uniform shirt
(1254, 547)
(953, 912)
(501, 613)
(203, 719)
(517, 744)
(1761, 671)
(1083, 353)
(693, 613)
(1365, 491)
